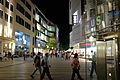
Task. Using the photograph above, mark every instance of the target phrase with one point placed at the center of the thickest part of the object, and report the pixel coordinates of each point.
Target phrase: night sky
(57, 11)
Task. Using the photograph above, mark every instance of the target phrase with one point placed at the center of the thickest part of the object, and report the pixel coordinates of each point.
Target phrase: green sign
(98, 20)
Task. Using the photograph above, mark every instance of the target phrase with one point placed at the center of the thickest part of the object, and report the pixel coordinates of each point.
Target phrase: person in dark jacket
(46, 67)
(37, 65)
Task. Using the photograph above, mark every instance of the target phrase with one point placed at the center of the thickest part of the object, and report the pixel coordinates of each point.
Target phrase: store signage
(89, 24)
(114, 13)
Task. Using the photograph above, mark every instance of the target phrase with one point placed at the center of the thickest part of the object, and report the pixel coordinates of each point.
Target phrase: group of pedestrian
(6, 57)
(40, 61)
(42, 64)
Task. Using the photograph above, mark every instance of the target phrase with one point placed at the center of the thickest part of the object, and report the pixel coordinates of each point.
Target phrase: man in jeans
(46, 66)
(37, 64)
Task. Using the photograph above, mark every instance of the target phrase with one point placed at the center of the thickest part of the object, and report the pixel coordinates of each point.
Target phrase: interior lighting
(110, 74)
(113, 38)
(1, 27)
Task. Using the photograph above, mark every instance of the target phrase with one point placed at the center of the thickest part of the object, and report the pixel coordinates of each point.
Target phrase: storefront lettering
(98, 20)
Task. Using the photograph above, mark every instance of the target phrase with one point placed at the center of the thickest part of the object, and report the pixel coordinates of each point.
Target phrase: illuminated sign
(98, 20)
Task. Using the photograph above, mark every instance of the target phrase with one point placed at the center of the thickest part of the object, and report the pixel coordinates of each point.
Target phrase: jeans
(37, 68)
(46, 70)
(93, 68)
(76, 71)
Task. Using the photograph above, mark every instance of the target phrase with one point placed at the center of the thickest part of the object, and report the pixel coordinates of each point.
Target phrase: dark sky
(57, 11)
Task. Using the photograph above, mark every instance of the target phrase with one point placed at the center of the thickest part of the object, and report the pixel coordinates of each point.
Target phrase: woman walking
(75, 67)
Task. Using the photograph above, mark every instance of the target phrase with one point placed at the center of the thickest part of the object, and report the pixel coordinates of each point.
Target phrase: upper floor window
(7, 4)
(92, 12)
(23, 1)
(33, 20)
(28, 15)
(11, 19)
(1, 1)
(20, 8)
(100, 9)
(27, 25)
(28, 6)
(70, 4)
(1, 14)
(19, 20)
(33, 29)
(11, 7)
(33, 11)
(75, 18)
(6, 16)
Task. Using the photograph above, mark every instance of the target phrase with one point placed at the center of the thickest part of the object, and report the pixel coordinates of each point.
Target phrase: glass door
(111, 51)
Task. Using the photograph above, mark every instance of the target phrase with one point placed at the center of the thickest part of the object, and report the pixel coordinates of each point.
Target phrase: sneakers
(31, 76)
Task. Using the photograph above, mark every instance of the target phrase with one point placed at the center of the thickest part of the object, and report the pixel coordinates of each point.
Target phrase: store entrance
(107, 59)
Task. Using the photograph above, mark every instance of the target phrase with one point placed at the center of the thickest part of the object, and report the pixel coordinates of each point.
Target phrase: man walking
(46, 66)
(37, 64)
(93, 64)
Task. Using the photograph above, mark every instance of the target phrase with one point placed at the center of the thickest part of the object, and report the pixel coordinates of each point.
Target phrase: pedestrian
(46, 67)
(75, 67)
(37, 65)
(93, 64)
(1, 56)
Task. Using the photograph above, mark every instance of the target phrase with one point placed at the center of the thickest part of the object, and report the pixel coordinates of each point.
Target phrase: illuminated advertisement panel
(22, 40)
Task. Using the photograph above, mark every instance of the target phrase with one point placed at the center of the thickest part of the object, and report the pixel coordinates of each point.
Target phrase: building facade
(76, 35)
(100, 22)
(23, 27)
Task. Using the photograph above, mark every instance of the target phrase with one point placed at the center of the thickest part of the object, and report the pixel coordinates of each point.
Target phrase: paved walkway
(15, 61)
(60, 69)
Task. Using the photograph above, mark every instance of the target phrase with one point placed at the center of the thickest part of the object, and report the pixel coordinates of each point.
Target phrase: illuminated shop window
(1, 29)
(8, 31)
